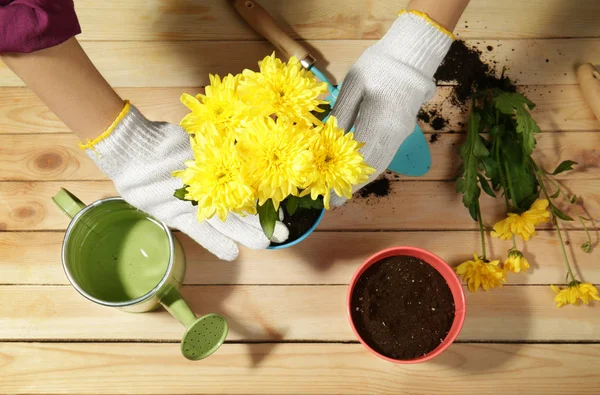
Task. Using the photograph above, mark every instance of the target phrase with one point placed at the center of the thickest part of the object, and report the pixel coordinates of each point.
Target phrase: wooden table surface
(289, 332)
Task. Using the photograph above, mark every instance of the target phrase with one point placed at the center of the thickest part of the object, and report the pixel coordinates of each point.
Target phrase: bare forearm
(69, 84)
(445, 12)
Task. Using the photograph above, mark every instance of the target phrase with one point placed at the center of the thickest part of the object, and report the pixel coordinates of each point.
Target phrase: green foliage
(268, 216)
(471, 152)
(308, 203)
(291, 204)
(516, 104)
(180, 194)
(564, 166)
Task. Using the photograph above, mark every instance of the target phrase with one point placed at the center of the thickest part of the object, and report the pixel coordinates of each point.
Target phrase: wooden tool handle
(263, 23)
(589, 82)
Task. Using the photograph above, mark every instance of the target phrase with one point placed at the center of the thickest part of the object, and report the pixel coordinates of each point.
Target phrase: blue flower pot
(304, 236)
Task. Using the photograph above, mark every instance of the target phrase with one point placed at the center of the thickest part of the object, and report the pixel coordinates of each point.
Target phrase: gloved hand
(140, 155)
(385, 88)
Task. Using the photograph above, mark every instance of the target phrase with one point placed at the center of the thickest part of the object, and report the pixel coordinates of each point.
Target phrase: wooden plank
(323, 258)
(188, 63)
(557, 108)
(56, 157)
(59, 368)
(335, 19)
(411, 205)
(261, 313)
(22, 112)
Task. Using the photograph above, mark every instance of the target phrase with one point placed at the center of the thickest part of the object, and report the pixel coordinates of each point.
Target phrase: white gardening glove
(387, 86)
(140, 155)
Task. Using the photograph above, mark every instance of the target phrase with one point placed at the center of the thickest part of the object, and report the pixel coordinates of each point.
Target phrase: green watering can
(118, 256)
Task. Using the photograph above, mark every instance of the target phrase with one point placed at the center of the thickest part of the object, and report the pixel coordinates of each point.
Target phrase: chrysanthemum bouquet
(497, 158)
(259, 144)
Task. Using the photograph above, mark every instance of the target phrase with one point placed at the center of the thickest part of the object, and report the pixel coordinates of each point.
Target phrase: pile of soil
(402, 307)
(299, 223)
(464, 68)
(378, 188)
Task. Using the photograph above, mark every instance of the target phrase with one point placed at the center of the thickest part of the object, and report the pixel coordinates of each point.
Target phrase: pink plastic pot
(444, 269)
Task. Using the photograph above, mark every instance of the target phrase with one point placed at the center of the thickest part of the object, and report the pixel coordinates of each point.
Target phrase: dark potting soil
(463, 65)
(302, 220)
(378, 188)
(434, 137)
(402, 307)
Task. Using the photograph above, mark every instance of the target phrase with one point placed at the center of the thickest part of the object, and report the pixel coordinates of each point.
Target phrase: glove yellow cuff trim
(91, 143)
(429, 20)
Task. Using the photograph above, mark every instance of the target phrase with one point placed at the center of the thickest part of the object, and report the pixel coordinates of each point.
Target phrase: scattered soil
(402, 307)
(378, 188)
(299, 223)
(434, 137)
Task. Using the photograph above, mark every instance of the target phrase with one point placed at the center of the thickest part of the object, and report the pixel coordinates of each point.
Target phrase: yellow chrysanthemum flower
(276, 156)
(337, 163)
(575, 292)
(478, 273)
(215, 178)
(286, 90)
(523, 225)
(220, 106)
(515, 262)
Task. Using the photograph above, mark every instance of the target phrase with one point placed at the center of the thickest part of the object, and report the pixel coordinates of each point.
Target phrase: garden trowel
(413, 157)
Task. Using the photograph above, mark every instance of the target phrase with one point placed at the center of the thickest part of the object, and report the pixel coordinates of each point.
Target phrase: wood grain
(274, 313)
(557, 108)
(411, 205)
(323, 258)
(335, 19)
(57, 157)
(188, 63)
(58, 368)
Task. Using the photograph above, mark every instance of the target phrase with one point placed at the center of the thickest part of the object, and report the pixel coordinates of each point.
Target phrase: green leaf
(587, 247)
(268, 217)
(490, 165)
(556, 211)
(555, 194)
(308, 203)
(573, 199)
(522, 184)
(473, 211)
(517, 105)
(564, 166)
(181, 192)
(485, 185)
(292, 204)
(470, 151)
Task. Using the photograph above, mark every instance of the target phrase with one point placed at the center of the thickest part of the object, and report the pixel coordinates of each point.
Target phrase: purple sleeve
(29, 25)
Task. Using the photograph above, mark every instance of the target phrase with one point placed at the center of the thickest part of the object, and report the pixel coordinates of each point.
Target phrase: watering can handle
(260, 20)
(68, 202)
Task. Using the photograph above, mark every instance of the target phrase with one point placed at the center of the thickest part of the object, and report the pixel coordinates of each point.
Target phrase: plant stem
(585, 228)
(554, 220)
(514, 241)
(510, 189)
(481, 232)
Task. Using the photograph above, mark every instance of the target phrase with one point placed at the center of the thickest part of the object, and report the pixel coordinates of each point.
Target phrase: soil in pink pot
(402, 307)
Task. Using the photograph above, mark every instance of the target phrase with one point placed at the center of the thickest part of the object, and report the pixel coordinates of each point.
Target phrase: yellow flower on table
(515, 262)
(576, 291)
(523, 225)
(215, 178)
(276, 156)
(285, 90)
(219, 106)
(337, 163)
(478, 273)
